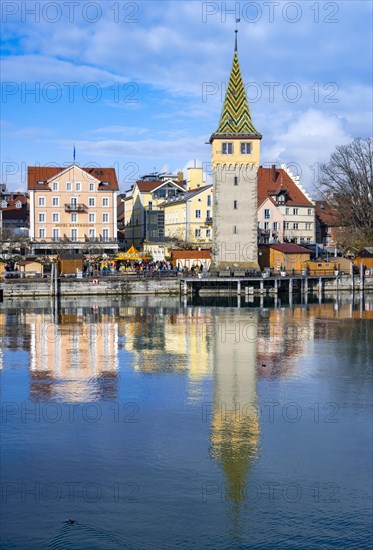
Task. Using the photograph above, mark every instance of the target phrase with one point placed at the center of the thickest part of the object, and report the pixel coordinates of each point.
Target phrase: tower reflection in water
(235, 428)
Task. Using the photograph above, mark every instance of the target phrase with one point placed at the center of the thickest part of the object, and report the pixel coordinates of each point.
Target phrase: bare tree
(12, 241)
(346, 182)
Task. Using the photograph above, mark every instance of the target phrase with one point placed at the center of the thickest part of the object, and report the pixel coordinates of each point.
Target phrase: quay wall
(106, 287)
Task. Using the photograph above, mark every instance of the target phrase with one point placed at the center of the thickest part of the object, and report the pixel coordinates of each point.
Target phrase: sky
(139, 85)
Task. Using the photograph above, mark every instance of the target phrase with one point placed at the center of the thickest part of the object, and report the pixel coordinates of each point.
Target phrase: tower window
(235, 180)
(245, 148)
(235, 205)
(235, 229)
(227, 148)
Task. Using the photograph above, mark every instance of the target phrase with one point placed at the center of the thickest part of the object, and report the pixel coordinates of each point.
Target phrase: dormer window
(281, 198)
(227, 148)
(3, 204)
(18, 204)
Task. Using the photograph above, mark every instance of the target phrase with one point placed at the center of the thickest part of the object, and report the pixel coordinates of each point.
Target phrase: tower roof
(235, 119)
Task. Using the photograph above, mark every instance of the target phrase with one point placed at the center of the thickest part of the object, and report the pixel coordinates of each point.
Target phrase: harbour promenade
(170, 283)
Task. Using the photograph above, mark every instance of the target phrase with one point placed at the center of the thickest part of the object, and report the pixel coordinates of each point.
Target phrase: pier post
(261, 287)
(290, 285)
(276, 286)
(352, 277)
(185, 287)
(361, 277)
(238, 287)
(306, 285)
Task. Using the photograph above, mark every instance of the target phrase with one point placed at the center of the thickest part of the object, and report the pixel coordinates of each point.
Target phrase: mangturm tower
(235, 160)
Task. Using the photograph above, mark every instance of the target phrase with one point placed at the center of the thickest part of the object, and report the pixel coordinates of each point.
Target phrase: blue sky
(139, 85)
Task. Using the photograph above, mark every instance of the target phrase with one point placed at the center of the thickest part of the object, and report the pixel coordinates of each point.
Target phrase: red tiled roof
(289, 248)
(190, 254)
(11, 212)
(44, 173)
(327, 215)
(148, 186)
(268, 188)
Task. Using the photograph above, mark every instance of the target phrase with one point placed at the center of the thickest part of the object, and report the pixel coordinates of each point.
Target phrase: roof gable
(47, 174)
(272, 182)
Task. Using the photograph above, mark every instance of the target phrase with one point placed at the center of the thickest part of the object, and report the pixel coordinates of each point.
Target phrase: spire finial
(236, 32)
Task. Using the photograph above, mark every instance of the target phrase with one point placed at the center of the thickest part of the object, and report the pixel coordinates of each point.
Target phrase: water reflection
(83, 352)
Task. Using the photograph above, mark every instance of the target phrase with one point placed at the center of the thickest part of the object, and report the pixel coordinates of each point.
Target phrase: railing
(75, 207)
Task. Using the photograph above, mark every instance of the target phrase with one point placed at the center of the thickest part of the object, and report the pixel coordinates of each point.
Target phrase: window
(287, 210)
(41, 201)
(281, 199)
(150, 205)
(74, 217)
(208, 213)
(286, 225)
(105, 201)
(91, 201)
(91, 218)
(198, 213)
(309, 211)
(245, 148)
(105, 234)
(41, 233)
(234, 205)
(3, 204)
(68, 186)
(235, 229)
(308, 240)
(308, 225)
(91, 234)
(235, 181)
(267, 214)
(55, 217)
(295, 211)
(55, 186)
(197, 232)
(74, 234)
(275, 226)
(55, 234)
(42, 217)
(208, 200)
(73, 201)
(18, 204)
(105, 218)
(295, 225)
(55, 201)
(208, 232)
(227, 148)
(91, 186)
(266, 225)
(78, 186)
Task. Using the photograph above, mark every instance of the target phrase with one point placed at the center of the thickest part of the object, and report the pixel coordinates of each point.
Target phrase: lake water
(157, 423)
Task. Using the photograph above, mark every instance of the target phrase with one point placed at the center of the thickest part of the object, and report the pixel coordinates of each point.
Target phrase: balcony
(75, 207)
(208, 221)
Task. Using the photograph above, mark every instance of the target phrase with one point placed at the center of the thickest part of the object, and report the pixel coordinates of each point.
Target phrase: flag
(74, 153)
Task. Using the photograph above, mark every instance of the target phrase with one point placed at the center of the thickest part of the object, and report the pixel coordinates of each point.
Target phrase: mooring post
(290, 285)
(352, 277)
(238, 287)
(276, 286)
(306, 284)
(361, 277)
(261, 287)
(185, 287)
(52, 280)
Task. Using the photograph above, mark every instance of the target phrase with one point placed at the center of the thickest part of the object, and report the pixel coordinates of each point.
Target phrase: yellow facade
(218, 157)
(190, 219)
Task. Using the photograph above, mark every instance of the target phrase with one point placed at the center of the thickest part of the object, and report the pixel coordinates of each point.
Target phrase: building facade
(72, 209)
(286, 212)
(235, 162)
(144, 217)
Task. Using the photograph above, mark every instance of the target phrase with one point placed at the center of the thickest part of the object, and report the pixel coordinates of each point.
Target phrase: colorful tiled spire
(235, 116)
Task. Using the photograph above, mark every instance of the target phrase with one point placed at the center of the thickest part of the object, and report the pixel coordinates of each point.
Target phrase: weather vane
(236, 31)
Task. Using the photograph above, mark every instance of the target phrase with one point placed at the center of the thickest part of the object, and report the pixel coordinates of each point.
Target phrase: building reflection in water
(235, 428)
(74, 356)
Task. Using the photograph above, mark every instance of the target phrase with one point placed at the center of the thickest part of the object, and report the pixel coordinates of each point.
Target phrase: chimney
(273, 173)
